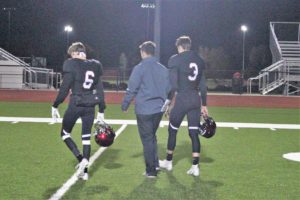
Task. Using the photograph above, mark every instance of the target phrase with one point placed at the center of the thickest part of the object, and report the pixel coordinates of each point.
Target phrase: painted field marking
(294, 156)
(162, 123)
(68, 184)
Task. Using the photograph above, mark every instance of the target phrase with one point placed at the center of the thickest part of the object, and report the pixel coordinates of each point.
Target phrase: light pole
(9, 10)
(244, 29)
(68, 29)
(148, 6)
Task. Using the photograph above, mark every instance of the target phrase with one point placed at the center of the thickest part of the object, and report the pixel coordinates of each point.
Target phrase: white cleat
(80, 168)
(166, 164)
(194, 170)
(85, 177)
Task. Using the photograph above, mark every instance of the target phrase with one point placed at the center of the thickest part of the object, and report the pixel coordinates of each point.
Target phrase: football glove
(55, 114)
(100, 118)
(166, 105)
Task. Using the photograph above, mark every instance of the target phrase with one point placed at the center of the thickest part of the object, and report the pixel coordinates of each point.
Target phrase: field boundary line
(68, 184)
(162, 123)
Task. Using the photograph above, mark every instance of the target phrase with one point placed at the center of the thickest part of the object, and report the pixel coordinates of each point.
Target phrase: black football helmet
(104, 134)
(208, 127)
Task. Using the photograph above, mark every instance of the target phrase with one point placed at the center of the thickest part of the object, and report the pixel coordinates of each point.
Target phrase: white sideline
(67, 185)
(162, 123)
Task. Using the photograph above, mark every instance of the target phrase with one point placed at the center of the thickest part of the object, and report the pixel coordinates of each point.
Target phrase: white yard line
(162, 123)
(68, 184)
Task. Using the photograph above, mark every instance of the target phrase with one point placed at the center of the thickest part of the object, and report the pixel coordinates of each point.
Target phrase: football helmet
(208, 127)
(104, 134)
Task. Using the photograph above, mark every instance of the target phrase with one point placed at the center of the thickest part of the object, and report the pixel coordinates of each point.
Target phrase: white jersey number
(193, 66)
(89, 75)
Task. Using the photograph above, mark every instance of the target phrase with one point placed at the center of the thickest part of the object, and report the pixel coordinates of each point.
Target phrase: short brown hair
(76, 47)
(148, 47)
(184, 41)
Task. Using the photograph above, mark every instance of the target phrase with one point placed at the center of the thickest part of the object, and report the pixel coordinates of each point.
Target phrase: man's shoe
(149, 175)
(80, 167)
(194, 170)
(166, 164)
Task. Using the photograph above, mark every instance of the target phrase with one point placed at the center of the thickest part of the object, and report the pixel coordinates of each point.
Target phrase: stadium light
(68, 29)
(244, 29)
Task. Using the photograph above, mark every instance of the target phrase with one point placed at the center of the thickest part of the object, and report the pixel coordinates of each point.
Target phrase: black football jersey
(85, 74)
(186, 69)
(81, 76)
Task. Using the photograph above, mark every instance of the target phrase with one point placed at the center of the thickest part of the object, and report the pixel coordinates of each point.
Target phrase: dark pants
(70, 117)
(147, 125)
(189, 107)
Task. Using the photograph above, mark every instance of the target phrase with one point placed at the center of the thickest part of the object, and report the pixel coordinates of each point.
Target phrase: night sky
(110, 27)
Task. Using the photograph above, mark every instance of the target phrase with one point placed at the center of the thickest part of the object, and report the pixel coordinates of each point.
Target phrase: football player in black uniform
(187, 78)
(82, 77)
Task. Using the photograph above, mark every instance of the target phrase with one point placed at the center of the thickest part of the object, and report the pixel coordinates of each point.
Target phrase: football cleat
(104, 134)
(194, 170)
(81, 166)
(166, 164)
(85, 177)
(208, 127)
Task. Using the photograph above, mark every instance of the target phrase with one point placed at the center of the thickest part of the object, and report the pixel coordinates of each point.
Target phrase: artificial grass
(235, 164)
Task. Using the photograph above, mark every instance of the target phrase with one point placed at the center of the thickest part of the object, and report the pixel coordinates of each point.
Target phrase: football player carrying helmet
(104, 134)
(208, 127)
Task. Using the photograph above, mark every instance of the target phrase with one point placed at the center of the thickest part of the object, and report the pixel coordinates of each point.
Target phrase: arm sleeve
(133, 87)
(100, 89)
(203, 89)
(66, 85)
(173, 76)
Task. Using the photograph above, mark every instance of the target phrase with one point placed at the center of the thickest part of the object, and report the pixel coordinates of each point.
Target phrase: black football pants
(147, 125)
(189, 105)
(71, 115)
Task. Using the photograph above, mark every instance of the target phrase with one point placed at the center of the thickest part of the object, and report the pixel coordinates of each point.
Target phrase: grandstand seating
(15, 73)
(285, 70)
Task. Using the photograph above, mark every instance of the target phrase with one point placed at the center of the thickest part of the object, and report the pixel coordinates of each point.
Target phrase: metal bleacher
(285, 70)
(15, 73)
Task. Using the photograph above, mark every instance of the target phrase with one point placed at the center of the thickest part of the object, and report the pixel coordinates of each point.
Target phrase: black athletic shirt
(81, 76)
(187, 74)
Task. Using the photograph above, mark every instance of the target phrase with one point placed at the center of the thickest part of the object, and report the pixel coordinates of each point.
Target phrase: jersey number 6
(89, 75)
(193, 66)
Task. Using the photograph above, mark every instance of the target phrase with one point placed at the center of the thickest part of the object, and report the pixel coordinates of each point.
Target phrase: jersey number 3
(89, 75)
(194, 67)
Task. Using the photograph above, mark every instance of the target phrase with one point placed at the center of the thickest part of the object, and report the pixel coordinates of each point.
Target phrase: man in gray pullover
(149, 84)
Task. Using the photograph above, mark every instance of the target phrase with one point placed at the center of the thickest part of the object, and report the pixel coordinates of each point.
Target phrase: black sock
(169, 157)
(79, 158)
(195, 160)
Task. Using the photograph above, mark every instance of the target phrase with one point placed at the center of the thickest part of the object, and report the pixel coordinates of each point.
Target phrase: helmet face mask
(208, 128)
(104, 135)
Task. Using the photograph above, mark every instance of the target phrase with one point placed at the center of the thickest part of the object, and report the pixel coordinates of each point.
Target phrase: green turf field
(235, 164)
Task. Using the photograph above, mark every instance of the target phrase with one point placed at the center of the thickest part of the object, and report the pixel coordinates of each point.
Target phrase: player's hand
(100, 118)
(204, 111)
(55, 114)
(166, 105)
(168, 111)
